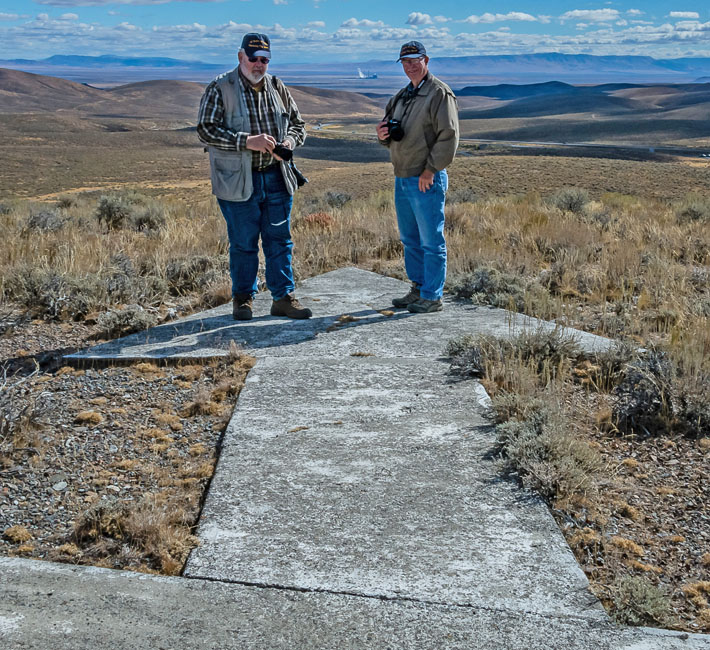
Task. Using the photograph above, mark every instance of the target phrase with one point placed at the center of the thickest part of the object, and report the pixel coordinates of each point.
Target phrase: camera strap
(407, 95)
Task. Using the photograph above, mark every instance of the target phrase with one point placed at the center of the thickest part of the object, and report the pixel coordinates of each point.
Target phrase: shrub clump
(637, 601)
(487, 286)
(694, 209)
(193, 273)
(546, 352)
(45, 221)
(130, 210)
(461, 195)
(336, 199)
(644, 395)
(540, 446)
(121, 322)
(52, 295)
(570, 199)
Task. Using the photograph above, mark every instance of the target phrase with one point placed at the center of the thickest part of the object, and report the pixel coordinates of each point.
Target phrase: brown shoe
(290, 307)
(407, 300)
(241, 306)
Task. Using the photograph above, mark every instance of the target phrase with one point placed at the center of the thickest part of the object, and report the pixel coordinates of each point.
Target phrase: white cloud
(416, 18)
(8, 16)
(634, 12)
(69, 17)
(280, 2)
(441, 19)
(365, 22)
(316, 23)
(684, 14)
(591, 15)
(497, 18)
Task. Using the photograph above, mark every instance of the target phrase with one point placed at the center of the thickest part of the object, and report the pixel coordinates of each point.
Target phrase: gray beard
(253, 78)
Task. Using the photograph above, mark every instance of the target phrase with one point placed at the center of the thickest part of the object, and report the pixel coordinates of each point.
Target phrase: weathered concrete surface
(373, 476)
(357, 293)
(46, 606)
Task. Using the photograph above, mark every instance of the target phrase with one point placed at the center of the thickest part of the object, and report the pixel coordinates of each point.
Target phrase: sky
(351, 30)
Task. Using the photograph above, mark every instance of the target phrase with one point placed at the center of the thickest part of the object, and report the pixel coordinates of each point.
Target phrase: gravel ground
(109, 465)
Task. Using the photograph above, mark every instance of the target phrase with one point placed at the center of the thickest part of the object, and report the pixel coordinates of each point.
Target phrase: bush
(539, 445)
(570, 199)
(461, 195)
(130, 319)
(45, 221)
(637, 601)
(694, 209)
(52, 295)
(193, 273)
(336, 199)
(644, 395)
(113, 212)
(491, 287)
(5, 208)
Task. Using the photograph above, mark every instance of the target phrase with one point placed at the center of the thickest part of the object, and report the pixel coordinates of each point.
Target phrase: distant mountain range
(524, 68)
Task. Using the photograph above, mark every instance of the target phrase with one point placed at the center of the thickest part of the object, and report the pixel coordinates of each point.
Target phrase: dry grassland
(630, 259)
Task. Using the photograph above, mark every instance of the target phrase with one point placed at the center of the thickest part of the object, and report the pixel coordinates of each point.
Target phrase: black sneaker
(290, 307)
(241, 306)
(407, 300)
(423, 306)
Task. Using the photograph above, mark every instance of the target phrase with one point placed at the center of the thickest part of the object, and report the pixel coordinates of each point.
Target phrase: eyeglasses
(419, 59)
(262, 59)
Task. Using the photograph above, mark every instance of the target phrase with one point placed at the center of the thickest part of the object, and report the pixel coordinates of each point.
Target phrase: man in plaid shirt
(246, 117)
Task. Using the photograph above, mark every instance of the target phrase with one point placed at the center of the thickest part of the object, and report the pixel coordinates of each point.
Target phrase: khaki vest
(230, 171)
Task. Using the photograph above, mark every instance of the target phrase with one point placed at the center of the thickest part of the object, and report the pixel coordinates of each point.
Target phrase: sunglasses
(262, 59)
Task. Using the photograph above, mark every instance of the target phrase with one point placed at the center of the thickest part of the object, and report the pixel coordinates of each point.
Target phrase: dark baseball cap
(411, 50)
(255, 44)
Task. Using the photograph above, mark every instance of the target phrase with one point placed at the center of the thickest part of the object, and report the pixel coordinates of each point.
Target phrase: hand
(426, 180)
(264, 143)
(382, 131)
(287, 145)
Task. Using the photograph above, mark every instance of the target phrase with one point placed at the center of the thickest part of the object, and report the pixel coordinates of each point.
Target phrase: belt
(265, 168)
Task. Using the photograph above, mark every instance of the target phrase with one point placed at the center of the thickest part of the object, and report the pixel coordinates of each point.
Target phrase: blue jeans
(420, 216)
(267, 212)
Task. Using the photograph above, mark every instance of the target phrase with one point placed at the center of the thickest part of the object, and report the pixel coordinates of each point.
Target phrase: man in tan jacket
(421, 129)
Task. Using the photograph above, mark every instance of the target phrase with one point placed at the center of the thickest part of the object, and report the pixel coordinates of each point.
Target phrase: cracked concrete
(356, 504)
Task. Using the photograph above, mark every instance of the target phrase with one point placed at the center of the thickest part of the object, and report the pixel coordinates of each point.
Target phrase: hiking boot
(423, 306)
(241, 306)
(407, 300)
(290, 307)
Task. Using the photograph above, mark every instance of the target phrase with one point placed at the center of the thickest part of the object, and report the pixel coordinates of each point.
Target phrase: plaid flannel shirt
(212, 130)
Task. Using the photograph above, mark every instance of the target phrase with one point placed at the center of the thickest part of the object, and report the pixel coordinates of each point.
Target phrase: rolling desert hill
(24, 91)
(160, 99)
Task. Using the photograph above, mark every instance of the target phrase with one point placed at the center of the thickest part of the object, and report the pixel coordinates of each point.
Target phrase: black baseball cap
(411, 50)
(255, 44)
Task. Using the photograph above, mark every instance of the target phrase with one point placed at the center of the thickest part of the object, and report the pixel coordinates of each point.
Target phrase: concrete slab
(59, 607)
(375, 477)
(357, 293)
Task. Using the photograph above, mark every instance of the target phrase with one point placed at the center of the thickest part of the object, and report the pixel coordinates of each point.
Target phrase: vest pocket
(229, 177)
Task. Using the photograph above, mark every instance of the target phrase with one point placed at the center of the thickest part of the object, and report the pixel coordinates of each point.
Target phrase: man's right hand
(382, 131)
(263, 143)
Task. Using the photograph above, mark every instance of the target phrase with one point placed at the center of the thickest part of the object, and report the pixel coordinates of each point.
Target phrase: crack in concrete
(395, 599)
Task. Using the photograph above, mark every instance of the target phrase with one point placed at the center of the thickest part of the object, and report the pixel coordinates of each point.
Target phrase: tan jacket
(431, 129)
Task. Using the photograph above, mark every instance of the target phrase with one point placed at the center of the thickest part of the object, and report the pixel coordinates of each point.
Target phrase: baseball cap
(255, 44)
(411, 50)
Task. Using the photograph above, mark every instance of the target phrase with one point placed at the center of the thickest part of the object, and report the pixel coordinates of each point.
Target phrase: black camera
(283, 152)
(395, 129)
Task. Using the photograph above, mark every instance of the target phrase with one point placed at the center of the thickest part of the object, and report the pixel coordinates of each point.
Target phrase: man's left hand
(426, 180)
(286, 143)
